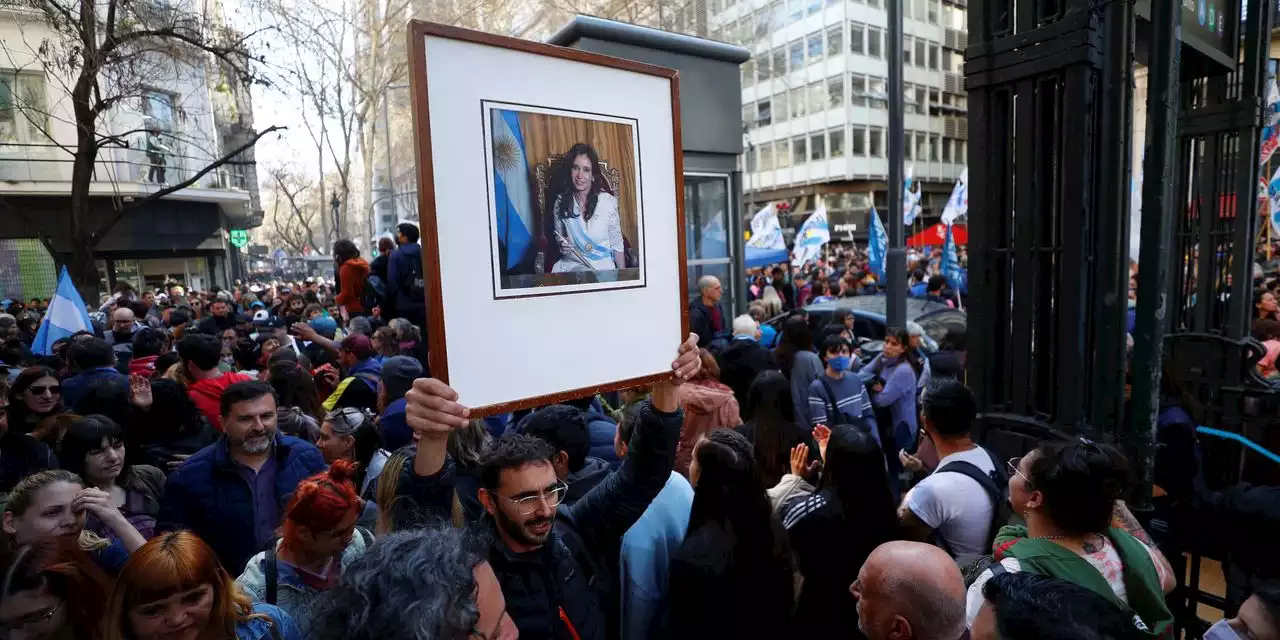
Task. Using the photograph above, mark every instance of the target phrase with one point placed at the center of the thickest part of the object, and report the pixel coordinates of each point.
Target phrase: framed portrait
(551, 215)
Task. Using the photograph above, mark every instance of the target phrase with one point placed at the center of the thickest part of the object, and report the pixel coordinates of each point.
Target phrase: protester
(20, 454)
(1258, 618)
(34, 395)
(220, 318)
(50, 590)
(174, 428)
(732, 576)
(758, 312)
(895, 373)
(385, 343)
(359, 388)
(245, 477)
(319, 541)
(910, 591)
(398, 374)
(1026, 606)
(350, 434)
(707, 405)
(296, 389)
(425, 583)
(94, 449)
(521, 496)
(706, 317)
(200, 354)
(54, 504)
(648, 546)
(796, 359)
(405, 278)
(353, 272)
(1265, 305)
(565, 429)
(148, 344)
(838, 396)
(1077, 530)
(91, 359)
(123, 327)
(601, 428)
(771, 430)
(174, 587)
(743, 360)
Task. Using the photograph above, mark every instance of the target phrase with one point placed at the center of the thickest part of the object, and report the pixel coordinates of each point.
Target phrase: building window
(764, 113)
(857, 142)
(857, 38)
(815, 6)
(877, 94)
(908, 152)
(762, 68)
(748, 115)
(778, 60)
(875, 146)
(766, 156)
(875, 42)
(934, 155)
(780, 111)
(748, 73)
(815, 47)
(796, 50)
(835, 40)
(962, 152)
(933, 10)
(24, 116)
(158, 106)
(920, 52)
(946, 149)
(796, 10)
(906, 51)
(835, 139)
(799, 107)
(935, 54)
(798, 151)
(873, 3)
(922, 146)
(753, 159)
(817, 146)
(817, 97)
(858, 90)
(835, 92)
(782, 153)
(922, 100)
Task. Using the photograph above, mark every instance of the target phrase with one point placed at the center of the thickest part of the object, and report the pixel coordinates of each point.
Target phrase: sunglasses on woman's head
(52, 390)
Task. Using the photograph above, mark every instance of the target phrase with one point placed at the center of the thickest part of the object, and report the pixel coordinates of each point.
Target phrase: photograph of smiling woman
(584, 215)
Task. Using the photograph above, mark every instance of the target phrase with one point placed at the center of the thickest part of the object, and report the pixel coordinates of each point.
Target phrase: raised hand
(432, 410)
(140, 392)
(800, 465)
(822, 434)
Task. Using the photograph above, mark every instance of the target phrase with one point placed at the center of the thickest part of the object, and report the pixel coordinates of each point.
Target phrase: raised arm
(899, 383)
(608, 510)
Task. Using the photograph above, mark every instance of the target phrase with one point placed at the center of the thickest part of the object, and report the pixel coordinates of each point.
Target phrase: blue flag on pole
(512, 191)
(877, 244)
(66, 315)
(951, 263)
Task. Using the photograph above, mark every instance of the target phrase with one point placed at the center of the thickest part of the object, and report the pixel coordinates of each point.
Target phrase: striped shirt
(850, 399)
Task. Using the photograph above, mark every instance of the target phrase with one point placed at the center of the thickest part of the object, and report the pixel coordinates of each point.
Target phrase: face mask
(839, 363)
(1222, 631)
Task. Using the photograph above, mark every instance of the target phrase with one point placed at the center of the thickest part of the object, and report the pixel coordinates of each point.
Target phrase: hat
(7, 321)
(257, 304)
(325, 326)
(357, 343)
(261, 316)
(914, 330)
(398, 374)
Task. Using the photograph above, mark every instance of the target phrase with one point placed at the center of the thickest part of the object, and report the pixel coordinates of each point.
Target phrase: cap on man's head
(325, 326)
(358, 345)
(261, 316)
(398, 374)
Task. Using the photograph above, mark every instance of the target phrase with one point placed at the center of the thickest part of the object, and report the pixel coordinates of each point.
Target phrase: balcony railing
(50, 163)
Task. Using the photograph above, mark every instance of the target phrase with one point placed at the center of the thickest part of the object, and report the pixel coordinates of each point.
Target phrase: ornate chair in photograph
(542, 177)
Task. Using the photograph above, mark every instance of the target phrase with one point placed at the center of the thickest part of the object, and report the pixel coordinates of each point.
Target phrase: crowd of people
(275, 461)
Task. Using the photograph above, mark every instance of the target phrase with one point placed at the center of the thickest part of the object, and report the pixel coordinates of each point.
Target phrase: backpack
(273, 571)
(375, 291)
(837, 417)
(996, 484)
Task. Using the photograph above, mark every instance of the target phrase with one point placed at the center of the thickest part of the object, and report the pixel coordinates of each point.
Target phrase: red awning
(936, 235)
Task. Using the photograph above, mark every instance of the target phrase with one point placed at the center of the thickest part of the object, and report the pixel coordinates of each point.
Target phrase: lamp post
(334, 204)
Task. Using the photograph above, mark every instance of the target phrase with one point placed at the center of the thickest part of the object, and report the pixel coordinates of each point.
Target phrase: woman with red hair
(319, 540)
(51, 589)
(173, 588)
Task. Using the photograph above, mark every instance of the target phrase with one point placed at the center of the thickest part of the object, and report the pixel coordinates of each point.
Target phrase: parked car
(870, 325)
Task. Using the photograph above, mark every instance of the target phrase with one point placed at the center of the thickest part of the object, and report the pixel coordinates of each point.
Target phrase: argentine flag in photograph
(512, 194)
(66, 315)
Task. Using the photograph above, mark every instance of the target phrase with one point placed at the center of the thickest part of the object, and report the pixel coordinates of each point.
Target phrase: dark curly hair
(1080, 481)
(561, 192)
(512, 451)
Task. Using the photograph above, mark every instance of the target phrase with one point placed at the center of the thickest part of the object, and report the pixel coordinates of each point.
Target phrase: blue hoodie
(399, 275)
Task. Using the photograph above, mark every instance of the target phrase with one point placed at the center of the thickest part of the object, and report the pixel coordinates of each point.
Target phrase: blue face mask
(839, 363)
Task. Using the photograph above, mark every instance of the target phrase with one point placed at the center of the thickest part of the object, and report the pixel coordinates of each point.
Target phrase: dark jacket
(574, 569)
(739, 366)
(75, 386)
(700, 323)
(20, 456)
(602, 429)
(581, 482)
(214, 326)
(399, 281)
(208, 496)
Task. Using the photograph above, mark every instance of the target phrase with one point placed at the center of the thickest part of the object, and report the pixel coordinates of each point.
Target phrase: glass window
(795, 10)
(946, 149)
(920, 52)
(875, 41)
(815, 47)
(873, 3)
(782, 153)
(878, 95)
(835, 40)
(908, 151)
(748, 114)
(922, 100)
(858, 142)
(817, 97)
(858, 90)
(24, 117)
(962, 152)
(817, 146)
(159, 107)
(753, 159)
(780, 112)
(875, 144)
(934, 54)
(857, 38)
(778, 60)
(706, 210)
(934, 95)
(917, 10)
(718, 268)
(835, 140)
(764, 112)
(835, 92)
(934, 152)
(814, 6)
(797, 55)
(762, 68)
(933, 10)
(766, 156)
(798, 151)
(906, 50)
(748, 73)
(922, 146)
(799, 105)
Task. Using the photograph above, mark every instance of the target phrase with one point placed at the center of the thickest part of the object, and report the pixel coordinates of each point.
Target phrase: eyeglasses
(1014, 464)
(30, 620)
(52, 390)
(528, 504)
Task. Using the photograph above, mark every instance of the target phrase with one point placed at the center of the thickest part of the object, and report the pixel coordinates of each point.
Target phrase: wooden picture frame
(619, 351)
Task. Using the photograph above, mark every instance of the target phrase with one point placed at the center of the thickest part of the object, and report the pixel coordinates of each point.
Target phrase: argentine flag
(877, 244)
(958, 203)
(512, 193)
(66, 315)
(951, 263)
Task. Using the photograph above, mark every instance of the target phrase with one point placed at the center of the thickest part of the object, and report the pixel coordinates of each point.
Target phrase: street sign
(1209, 27)
(239, 238)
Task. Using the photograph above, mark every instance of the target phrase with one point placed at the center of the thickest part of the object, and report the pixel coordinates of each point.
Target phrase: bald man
(706, 317)
(910, 591)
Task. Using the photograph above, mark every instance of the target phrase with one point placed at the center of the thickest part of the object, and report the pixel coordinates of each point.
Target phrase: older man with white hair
(706, 317)
(744, 359)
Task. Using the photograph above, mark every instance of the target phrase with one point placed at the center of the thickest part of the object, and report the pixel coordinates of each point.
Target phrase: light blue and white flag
(813, 234)
(958, 203)
(1270, 124)
(66, 315)
(910, 199)
(877, 244)
(951, 263)
(766, 246)
(512, 194)
(1273, 195)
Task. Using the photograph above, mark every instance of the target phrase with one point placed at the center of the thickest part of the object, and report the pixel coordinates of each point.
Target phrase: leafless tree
(293, 210)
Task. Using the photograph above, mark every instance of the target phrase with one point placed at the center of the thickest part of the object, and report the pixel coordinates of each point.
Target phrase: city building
(178, 112)
(815, 107)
